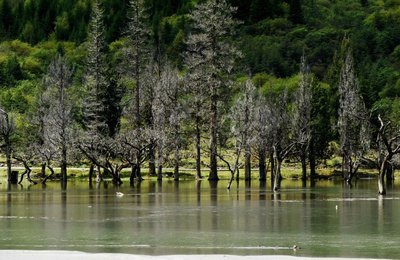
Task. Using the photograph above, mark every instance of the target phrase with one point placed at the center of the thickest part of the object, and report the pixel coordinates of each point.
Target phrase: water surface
(157, 218)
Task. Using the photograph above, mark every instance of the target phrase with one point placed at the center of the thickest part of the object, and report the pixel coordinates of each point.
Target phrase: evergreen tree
(96, 81)
(210, 59)
(136, 56)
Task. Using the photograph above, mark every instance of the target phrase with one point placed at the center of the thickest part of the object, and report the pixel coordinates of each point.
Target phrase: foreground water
(328, 219)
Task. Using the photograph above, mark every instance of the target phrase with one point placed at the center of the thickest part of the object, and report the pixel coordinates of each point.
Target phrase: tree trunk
(160, 162)
(138, 170)
(303, 159)
(312, 160)
(139, 173)
(117, 177)
(389, 173)
(247, 164)
(262, 164)
(176, 163)
(28, 174)
(8, 152)
(272, 161)
(152, 160)
(50, 175)
(64, 165)
(278, 177)
(8, 162)
(133, 173)
(91, 171)
(213, 176)
(43, 170)
(198, 149)
(381, 178)
(99, 177)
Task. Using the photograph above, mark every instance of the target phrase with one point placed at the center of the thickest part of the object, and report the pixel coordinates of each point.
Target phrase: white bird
(119, 194)
(337, 207)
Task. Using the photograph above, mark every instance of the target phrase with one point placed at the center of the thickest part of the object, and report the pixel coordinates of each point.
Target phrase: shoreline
(75, 255)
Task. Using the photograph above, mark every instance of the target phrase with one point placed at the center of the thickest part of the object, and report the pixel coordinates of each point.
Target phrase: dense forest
(201, 84)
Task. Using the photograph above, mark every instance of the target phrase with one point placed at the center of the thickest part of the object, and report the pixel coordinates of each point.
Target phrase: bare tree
(264, 135)
(352, 121)
(243, 114)
(210, 59)
(59, 117)
(169, 113)
(7, 130)
(105, 153)
(24, 148)
(47, 151)
(302, 115)
(131, 143)
(282, 133)
(388, 144)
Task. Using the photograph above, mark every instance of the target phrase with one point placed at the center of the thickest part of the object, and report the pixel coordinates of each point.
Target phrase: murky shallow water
(190, 217)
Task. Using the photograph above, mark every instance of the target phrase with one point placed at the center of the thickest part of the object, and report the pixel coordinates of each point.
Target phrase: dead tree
(263, 134)
(388, 143)
(169, 113)
(352, 121)
(59, 116)
(129, 147)
(282, 134)
(104, 153)
(302, 115)
(243, 123)
(7, 130)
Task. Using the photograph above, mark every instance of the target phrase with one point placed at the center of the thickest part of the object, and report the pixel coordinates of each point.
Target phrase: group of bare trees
(161, 109)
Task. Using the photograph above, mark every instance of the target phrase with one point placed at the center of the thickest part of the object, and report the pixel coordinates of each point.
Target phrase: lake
(159, 218)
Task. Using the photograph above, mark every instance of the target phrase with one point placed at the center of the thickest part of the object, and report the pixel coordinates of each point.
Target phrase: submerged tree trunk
(381, 179)
(176, 163)
(213, 176)
(27, 173)
(262, 165)
(198, 149)
(311, 156)
(278, 176)
(8, 162)
(133, 175)
(303, 159)
(160, 162)
(43, 170)
(389, 173)
(91, 173)
(64, 163)
(247, 164)
(99, 177)
(152, 160)
(272, 162)
(50, 175)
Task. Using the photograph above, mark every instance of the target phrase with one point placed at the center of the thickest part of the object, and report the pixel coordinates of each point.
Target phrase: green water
(203, 218)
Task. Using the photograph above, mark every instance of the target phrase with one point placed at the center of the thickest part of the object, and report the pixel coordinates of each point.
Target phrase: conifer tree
(96, 84)
(210, 58)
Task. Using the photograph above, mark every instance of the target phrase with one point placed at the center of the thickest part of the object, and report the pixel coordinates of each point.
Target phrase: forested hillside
(135, 44)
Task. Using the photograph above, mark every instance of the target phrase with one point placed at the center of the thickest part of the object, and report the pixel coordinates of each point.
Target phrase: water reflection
(171, 217)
